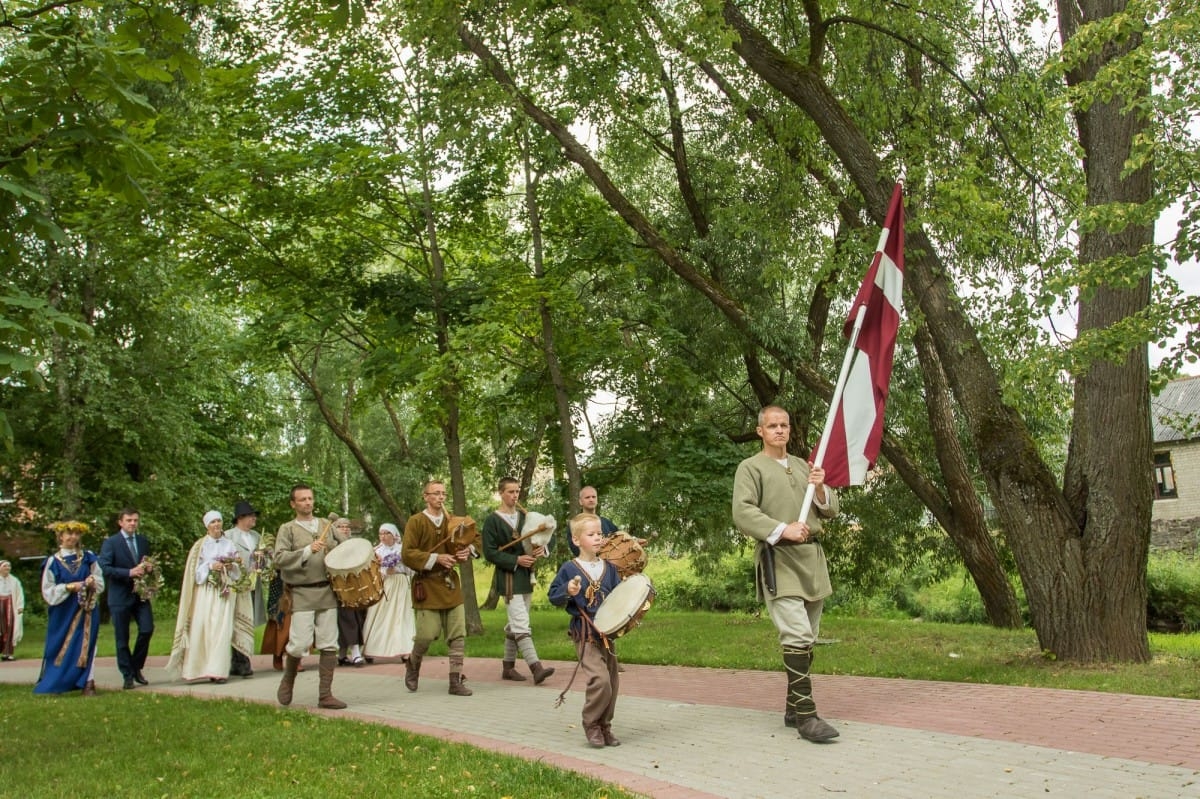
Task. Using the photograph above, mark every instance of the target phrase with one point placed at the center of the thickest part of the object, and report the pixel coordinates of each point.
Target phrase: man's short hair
(298, 487)
(128, 510)
(506, 481)
(762, 414)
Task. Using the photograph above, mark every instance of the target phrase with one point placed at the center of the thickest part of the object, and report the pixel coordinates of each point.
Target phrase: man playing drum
(580, 586)
(513, 581)
(429, 550)
(300, 547)
(768, 493)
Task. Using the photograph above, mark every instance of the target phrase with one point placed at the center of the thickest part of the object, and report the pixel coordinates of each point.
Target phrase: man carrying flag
(780, 501)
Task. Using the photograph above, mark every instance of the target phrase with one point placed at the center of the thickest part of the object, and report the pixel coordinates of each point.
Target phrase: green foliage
(1173, 591)
(726, 587)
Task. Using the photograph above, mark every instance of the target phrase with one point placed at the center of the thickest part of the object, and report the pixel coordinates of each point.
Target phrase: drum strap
(590, 627)
(311, 585)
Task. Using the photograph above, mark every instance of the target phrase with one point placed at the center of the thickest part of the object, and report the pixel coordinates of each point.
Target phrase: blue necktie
(132, 547)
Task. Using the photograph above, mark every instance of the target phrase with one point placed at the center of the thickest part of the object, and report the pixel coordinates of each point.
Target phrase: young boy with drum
(580, 586)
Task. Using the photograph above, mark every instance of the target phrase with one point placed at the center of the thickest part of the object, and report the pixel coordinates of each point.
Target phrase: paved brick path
(702, 733)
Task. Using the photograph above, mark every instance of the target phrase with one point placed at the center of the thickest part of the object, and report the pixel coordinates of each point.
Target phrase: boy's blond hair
(578, 521)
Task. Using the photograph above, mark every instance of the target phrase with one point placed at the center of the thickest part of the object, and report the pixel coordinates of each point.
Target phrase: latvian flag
(858, 425)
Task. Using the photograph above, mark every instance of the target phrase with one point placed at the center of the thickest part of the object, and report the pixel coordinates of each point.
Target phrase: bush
(1173, 592)
(678, 585)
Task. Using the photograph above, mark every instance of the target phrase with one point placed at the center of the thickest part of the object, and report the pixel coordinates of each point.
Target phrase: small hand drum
(625, 552)
(623, 609)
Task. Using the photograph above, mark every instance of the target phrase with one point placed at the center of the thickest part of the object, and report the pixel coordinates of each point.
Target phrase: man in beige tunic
(793, 576)
(300, 549)
(437, 587)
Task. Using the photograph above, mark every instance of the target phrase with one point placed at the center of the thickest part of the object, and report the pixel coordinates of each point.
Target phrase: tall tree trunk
(1110, 490)
(451, 388)
(308, 376)
(562, 399)
(964, 522)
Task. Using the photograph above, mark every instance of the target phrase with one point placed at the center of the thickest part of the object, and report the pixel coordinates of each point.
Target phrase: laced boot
(510, 672)
(456, 686)
(325, 669)
(540, 673)
(288, 683)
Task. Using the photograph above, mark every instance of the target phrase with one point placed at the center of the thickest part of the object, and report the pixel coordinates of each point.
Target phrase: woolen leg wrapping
(799, 668)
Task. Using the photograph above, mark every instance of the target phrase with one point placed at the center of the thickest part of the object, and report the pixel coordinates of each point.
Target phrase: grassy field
(180, 747)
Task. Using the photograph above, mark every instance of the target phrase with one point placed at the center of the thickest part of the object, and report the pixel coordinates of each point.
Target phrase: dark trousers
(130, 663)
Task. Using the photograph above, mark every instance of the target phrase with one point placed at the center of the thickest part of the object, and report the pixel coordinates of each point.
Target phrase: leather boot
(325, 669)
(457, 688)
(540, 673)
(412, 671)
(288, 683)
(595, 736)
(90, 688)
(609, 738)
(277, 662)
(510, 672)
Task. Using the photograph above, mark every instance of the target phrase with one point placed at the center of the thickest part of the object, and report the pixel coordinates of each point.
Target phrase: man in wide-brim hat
(248, 542)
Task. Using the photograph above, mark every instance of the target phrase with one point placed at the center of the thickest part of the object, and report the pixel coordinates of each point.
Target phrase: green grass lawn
(62, 746)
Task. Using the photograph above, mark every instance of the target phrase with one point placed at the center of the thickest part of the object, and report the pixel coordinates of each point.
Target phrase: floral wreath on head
(70, 526)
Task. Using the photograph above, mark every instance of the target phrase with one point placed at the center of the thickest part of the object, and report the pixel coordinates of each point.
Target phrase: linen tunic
(307, 578)
(765, 496)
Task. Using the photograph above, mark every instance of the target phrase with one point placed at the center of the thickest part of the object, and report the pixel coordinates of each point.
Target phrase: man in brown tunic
(437, 587)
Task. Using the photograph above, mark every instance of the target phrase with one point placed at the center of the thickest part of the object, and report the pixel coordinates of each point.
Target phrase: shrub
(1173, 592)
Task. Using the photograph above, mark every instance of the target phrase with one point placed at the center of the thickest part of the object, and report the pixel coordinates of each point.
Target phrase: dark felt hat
(243, 508)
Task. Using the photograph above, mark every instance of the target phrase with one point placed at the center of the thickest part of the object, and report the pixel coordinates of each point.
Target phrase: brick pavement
(703, 733)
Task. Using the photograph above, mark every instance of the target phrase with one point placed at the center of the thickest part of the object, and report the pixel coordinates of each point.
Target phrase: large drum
(623, 609)
(354, 573)
(625, 552)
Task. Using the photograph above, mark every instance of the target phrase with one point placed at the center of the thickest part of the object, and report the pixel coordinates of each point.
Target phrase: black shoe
(128, 683)
(816, 729)
(140, 678)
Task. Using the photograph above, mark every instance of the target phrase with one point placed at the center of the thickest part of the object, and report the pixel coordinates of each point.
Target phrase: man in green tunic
(514, 580)
(793, 576)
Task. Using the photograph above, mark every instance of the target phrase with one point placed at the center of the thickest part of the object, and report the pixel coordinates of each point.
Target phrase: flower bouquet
(391, 562)
(230, 578)
(151, 580)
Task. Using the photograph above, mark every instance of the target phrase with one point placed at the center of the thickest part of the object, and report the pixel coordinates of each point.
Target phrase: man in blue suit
(121, 560)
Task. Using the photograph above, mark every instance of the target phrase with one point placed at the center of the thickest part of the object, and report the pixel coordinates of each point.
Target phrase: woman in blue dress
(71, 585)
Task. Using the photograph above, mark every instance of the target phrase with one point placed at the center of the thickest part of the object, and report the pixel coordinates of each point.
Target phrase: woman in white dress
(12, 611)
(205, 625)
(391, 623)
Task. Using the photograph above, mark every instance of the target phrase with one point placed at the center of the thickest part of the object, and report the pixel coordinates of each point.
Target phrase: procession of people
(394, 598)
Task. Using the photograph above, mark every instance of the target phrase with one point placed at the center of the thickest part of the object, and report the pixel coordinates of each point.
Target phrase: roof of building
(1176, 411)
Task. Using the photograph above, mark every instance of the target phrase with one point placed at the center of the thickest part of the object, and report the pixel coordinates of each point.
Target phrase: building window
(1164, 477)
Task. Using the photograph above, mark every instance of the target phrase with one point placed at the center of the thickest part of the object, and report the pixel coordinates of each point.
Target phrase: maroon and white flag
(857, 428)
